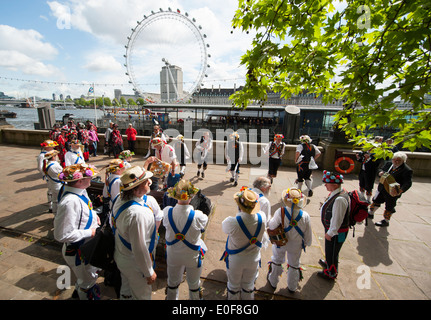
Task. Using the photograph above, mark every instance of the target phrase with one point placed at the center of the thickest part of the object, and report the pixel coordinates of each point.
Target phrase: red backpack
(358, 208)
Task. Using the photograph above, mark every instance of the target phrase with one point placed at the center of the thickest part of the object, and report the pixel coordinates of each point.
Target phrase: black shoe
(323, 263)
(231, 179)
(198, 173)
(382, 223)
(203, 175)
(325, 276)
(235, 184)
(310, 193)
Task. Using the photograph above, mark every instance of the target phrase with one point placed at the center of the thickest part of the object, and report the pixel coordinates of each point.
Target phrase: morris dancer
(400, 174)
(52, 169)
(234, 152)
(304, 151)
(165, 153)
(75, 223)
(182, 153)
(262, 187)
(367, 173)
(275, 151)
(246, 237)
(203, 147)
(135, 234)
(335, 220)
(111, 188)
(185, 247)
(74, 156)
(297, 226)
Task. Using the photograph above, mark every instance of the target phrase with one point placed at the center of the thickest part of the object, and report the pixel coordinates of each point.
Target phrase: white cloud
(14, 60)
(29, 42)
(102, 63)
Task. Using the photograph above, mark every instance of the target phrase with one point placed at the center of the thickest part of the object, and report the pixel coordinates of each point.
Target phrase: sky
(64, 46)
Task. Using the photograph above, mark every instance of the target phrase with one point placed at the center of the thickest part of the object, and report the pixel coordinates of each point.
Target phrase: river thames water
(27, 117)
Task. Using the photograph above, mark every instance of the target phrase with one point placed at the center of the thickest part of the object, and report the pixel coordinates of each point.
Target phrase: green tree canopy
(368, 54)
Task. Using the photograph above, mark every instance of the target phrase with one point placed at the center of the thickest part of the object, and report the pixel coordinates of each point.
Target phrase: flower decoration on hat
(126, 154)
(305, 139)
(278, 136)
(114, 165)
(49, 143)
(77, 172)
(183, 190)
(329, 177)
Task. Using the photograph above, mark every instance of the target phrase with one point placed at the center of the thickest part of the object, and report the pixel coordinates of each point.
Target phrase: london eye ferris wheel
(166, 57)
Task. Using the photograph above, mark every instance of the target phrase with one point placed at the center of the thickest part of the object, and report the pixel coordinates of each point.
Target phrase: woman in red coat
(131, 137)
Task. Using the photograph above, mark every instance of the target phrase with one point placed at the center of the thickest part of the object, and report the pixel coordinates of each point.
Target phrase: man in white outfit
(185, 247)
(134, 227)
(47, 145)
(262, 187)
(298, 230)
(246, 236)
(52, 169)
(74, 224)
(74, 156)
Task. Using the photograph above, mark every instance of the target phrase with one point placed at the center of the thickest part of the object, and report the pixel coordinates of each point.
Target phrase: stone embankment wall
(420, 162)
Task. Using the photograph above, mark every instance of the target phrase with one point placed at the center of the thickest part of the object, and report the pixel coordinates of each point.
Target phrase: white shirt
(304, 224)
(72, 216)
(203, 148)
(71, 156)
(265, 205)
(54, 169)
(180, 214)
(338, 211)
(115, 188)
(238, 239)
(154, 205)
(136, 226)
(39, 160)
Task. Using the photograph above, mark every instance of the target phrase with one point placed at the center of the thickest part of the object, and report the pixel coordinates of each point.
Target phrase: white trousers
(86, 274)
(241, 276)
(133, 280)
(293, 252)
(176, 265)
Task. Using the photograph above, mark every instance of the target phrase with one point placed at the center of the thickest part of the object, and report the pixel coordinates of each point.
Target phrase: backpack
(358, 208)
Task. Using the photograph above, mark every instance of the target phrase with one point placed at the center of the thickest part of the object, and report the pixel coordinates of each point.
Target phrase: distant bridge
(24, 103)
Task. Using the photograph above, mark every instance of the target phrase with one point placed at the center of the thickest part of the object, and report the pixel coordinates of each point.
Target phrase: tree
(368, 54)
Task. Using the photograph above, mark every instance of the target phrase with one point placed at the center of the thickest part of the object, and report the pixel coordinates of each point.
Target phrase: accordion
(160, 169)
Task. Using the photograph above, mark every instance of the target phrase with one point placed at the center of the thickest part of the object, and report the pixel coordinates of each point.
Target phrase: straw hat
(77, 172)
(126, 154)
(156, 141)
(293, 196)
(180, 137)
(114, 165)
(183, 190)
(76, 142)
(49, 143)
(247, 201)
(133, 177)
(51, 154)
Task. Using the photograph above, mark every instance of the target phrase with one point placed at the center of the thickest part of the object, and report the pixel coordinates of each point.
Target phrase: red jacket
(131, 133)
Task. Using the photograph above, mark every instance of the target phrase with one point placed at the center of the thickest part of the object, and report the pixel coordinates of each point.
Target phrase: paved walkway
(397, 259)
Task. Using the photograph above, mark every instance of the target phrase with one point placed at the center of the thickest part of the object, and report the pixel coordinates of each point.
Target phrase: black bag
(202, 203)
(99, 251)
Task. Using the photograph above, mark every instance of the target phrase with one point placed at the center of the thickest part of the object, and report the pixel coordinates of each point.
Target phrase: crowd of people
(135, 216)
